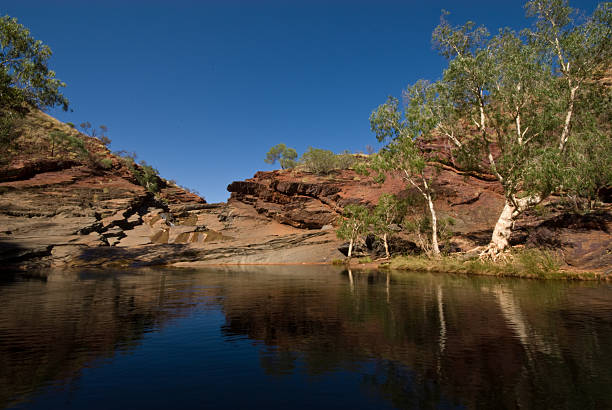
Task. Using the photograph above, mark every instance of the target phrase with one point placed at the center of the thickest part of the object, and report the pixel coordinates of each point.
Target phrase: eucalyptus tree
(280, 152)
(355, 221)
(521, 99)
(25, 79)
(386, 213)
(405, 133)
(24, 74)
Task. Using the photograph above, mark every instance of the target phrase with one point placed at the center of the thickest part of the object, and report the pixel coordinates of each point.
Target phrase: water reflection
(410, 340)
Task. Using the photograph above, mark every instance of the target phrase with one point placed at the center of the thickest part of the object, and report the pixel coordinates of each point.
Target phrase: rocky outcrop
(65, 211)
(472, 202)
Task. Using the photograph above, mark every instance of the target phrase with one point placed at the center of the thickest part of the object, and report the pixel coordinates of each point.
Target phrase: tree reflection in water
(415, 339)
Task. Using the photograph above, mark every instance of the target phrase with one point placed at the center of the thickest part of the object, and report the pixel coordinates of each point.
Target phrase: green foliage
(67, 143)
(322, 161)
(24, 75)
(420, 226)
(365, 259)
(403, 131)
(345, 160)
(526, 263)
(9, 124)
(286, 156)
(404, 152)
(319, 161)
(25, 80)
(354, 223)
(106, 163)
(145, 174)
(587, 168)
(530, 94)
(388, 211)
(538, 262)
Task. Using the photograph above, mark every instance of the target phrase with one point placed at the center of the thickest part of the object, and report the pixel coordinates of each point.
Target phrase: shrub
(421, 227)
(67, 143)
(106, 163)
(538, 262)
(345, 160)
(147, 176)
(319, 161)
(9, 125)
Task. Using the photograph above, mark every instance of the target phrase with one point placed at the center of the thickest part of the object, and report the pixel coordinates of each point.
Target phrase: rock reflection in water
(413, 340)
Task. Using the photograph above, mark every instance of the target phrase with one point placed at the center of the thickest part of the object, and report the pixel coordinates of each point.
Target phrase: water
(302, 337)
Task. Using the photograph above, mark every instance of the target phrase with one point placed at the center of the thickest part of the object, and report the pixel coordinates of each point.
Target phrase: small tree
(355, 222)
(94, 132)
(286, 156)
(403, 153)
(420, 226)
(387, 212)
(70, 142)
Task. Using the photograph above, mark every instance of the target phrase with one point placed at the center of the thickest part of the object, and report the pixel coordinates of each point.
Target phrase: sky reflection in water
(302, 337)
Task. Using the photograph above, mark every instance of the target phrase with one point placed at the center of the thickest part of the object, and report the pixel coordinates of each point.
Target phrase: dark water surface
(302, 337)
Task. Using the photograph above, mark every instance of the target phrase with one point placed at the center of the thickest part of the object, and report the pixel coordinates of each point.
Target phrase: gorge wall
(65, 212)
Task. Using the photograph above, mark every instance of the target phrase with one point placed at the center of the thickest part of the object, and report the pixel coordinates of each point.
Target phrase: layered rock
(473, 201)
(65, 211)
(62, 210)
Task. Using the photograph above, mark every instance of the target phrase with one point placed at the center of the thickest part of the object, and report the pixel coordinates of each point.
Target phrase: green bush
(319, 161)
(9, 125)
(106, 163)
(147, 176)
(67, 143)
(538, 262)
(345, 160)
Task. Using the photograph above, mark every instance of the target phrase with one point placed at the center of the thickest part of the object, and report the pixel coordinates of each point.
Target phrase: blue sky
(202, 89)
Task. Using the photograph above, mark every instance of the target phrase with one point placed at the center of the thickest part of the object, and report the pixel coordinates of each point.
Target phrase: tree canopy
(286, 156)
(528, 102)
(24, 74)
(25, 80)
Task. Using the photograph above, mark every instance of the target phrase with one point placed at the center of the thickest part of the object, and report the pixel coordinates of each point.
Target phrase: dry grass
(528, 263)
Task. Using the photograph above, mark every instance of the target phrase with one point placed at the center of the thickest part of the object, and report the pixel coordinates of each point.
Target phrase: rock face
(473, 202)
(62, 211)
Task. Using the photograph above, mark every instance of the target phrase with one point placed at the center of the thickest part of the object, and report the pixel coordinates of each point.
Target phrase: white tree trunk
(500, 240)
(434, 227)
(350, 250)
(386, 246)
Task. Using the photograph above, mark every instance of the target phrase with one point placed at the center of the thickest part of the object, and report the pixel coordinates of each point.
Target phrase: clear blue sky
(202, 89)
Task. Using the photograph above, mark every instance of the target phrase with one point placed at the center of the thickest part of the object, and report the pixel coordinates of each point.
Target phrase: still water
(302, 337)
